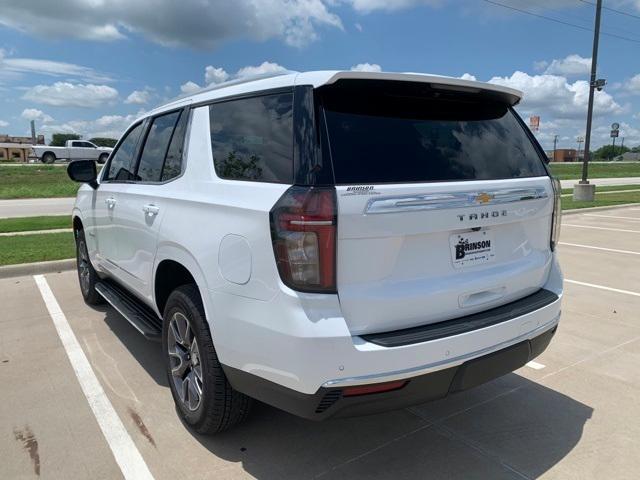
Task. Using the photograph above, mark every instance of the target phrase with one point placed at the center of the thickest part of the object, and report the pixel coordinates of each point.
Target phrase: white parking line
(600, 228)
(633, 219)
(602, 287)
(535, 365)
(614, 250)
(124, 450)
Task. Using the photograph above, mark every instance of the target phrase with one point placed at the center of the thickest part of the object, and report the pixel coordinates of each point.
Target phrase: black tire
(87, 276)
(219, 406)
(102, 159)
(48, 157)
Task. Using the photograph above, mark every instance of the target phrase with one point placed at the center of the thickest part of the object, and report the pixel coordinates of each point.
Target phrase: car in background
(73, 150)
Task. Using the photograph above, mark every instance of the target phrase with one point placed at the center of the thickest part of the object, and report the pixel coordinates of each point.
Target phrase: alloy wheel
(184, 361)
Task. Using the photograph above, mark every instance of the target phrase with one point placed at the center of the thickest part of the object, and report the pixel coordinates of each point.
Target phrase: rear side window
(173, 163)
(252, 138)
(121, 164)
(401, 136)
(156, 147)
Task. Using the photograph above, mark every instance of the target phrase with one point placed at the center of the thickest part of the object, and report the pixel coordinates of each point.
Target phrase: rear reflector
(375, 388)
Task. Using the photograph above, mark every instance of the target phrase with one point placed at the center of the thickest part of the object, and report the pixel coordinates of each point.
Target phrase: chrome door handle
(111, 202)
(151, 210)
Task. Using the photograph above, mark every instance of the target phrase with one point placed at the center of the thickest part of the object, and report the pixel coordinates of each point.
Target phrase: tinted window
(387, 137)
(155, 147)
(252, 138)
(121, 164)
(173, 163)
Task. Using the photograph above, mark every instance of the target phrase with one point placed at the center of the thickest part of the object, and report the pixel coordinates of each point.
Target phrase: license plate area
(472, 248)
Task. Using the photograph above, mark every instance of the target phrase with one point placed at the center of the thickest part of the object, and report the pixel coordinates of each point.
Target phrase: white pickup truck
(73, 150)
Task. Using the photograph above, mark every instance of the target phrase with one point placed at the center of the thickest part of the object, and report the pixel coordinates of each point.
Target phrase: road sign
(614, 133)
(615, 126)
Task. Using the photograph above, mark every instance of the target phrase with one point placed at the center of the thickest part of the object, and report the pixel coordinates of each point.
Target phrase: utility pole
(555, 143)
(579, 140)
(584, 190)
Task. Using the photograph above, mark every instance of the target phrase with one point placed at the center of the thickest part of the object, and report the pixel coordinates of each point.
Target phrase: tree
(104, 141)
(608, 152)
(59, 139)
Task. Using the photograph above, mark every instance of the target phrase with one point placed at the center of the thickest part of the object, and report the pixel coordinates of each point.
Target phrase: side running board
(139, 315)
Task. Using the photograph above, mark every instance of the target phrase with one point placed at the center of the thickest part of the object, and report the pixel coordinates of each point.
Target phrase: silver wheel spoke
(184, 361)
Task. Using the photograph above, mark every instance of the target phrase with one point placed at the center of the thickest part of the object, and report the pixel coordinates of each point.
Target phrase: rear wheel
(203, 396)
(87, 275)
(48, 158)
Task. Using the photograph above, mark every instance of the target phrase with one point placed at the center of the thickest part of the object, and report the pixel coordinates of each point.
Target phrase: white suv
(330, 243)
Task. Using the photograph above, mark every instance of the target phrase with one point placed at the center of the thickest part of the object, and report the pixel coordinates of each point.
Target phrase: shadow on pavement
(510, 428)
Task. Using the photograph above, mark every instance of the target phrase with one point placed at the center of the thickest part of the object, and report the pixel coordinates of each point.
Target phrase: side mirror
(83, 171)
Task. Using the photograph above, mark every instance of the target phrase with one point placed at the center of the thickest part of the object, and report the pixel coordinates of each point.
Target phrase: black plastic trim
(329, 402)
(139, 315)
(468, 323)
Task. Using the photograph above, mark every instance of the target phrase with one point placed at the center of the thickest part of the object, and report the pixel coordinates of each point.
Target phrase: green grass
(602, 200)
(35, 181)
(27, 224)
(36, 248)
(568, 171)
(609, 188)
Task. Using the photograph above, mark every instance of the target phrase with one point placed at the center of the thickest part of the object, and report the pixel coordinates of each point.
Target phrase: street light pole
(588, 193)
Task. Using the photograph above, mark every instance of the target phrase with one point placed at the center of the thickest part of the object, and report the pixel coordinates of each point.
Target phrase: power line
(562, 22)
(621, 12)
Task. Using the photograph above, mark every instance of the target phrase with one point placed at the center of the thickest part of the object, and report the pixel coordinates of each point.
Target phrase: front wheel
(203, 396)
(102, 159)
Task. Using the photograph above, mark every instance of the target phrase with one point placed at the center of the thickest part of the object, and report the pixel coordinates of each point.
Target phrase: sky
(92, 66)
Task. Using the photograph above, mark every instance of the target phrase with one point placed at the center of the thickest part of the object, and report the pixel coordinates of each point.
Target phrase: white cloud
(571, 65)
(263, 68)
(358, 26)
(366, 67)
(111, 126)
(189, 87)
(35, 114)
(468, 76)
(632, 85)
(10, 66)
(215, 75)
(367, 6)
(193, 23)
(3, 124)
(553, 95)
(139, 97)
(65, 94)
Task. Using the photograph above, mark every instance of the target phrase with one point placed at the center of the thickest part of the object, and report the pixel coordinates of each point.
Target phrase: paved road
(604, 181)
(32, 207)
(574, 414)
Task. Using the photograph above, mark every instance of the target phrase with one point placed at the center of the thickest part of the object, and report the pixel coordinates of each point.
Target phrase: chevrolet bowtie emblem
(484, 198)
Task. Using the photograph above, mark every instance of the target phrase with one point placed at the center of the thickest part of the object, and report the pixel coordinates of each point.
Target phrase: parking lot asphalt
(101, 407)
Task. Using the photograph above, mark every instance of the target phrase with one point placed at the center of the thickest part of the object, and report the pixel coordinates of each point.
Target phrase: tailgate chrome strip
(440, 201)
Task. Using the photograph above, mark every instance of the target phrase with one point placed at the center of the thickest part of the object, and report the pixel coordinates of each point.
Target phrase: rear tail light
(303, 231)
(557, 213)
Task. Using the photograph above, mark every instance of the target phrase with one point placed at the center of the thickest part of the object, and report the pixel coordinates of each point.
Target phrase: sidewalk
(33, 207)
(601, 182)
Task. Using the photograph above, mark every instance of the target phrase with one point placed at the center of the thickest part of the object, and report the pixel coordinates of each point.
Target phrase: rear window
(252, 138)
(400, 134)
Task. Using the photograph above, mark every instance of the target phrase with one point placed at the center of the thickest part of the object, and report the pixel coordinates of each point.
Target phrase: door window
(122, 160)
(156, 147)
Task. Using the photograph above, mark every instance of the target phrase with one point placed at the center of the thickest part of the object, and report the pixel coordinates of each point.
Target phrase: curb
(574, 211)
(24, 269)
